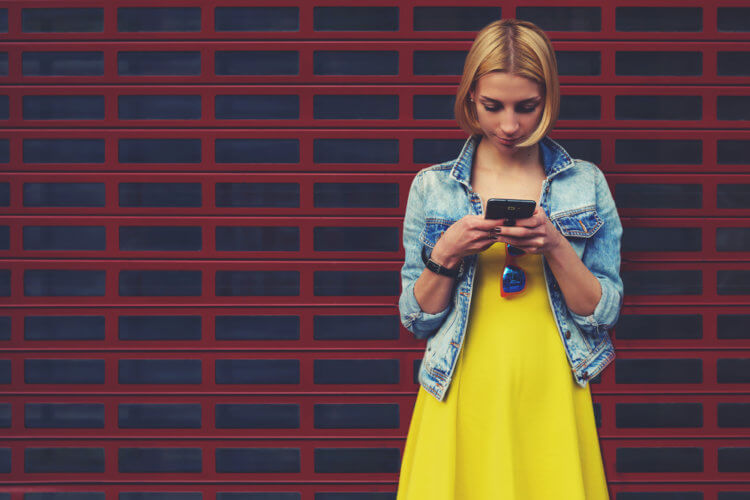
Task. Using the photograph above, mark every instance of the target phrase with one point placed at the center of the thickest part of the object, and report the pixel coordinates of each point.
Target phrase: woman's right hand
(469, 235)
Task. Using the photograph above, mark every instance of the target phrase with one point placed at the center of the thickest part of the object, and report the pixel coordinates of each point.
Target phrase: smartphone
(510, 210)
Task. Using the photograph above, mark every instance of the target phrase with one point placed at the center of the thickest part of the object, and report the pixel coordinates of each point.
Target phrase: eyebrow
(529, 100)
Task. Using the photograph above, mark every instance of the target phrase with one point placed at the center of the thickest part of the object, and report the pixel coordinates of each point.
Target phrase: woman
(504, 410)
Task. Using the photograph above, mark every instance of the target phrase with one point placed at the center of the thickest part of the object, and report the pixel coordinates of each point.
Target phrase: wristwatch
(438, 269)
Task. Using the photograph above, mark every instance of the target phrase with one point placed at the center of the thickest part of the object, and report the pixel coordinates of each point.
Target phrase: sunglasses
(514, 279)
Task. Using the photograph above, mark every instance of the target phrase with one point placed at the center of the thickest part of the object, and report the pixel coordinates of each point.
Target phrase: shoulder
(594, 174)
(583, 174)
(430, 177)
(582, 183)
(587, 169)
(439, 169)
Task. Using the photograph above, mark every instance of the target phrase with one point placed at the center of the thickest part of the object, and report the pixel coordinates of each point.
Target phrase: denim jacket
(576, 199)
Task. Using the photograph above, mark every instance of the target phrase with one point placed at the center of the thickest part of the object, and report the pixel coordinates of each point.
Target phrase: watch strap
(439, 269)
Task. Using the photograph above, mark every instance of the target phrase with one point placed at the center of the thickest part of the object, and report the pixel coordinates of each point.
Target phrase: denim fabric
(577, 200)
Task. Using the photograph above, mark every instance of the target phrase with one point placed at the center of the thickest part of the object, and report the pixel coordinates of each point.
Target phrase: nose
(508, 123)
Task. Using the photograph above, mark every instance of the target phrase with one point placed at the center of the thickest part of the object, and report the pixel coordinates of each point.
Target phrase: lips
(507, 142)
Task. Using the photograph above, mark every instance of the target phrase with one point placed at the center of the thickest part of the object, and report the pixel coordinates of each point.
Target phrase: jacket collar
(554, 158)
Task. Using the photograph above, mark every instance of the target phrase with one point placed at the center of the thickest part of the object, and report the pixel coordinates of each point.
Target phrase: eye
(527, 109)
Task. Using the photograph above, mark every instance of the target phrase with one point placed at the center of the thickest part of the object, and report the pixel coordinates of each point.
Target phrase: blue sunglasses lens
(514, 279)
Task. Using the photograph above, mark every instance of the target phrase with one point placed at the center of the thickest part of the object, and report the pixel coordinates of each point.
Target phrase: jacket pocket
(433, 230)
(578, 223)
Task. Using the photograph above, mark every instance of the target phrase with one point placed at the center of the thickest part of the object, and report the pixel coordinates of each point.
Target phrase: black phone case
(503, 208)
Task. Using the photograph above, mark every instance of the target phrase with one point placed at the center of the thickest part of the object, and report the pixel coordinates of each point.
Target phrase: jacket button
(585, 375)
(567, 334)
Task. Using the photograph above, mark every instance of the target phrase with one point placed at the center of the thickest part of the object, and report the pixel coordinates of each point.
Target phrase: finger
(534, 221)
(480, 237)
(487, 224)
(493, 234)
(528, 245)
(527, 222)
(538, 213)
(489, 242)
(485, 244)
(515, 231)
(516, 242)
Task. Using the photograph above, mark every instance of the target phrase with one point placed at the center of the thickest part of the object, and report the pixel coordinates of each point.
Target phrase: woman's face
(508, 107)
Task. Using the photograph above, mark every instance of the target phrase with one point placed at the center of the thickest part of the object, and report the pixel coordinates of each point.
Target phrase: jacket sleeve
(602, 257)
(414, 319)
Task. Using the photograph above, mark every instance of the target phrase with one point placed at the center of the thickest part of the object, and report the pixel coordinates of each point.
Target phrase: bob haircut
(519, 48)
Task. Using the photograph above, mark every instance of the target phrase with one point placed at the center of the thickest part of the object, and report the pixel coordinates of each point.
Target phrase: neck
(507, 161)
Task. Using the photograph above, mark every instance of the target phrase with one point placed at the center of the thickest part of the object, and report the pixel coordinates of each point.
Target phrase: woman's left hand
(535, 234)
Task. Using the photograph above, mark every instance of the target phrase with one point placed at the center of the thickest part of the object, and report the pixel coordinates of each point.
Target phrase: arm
(434, 291)
(591, 285)
(579, 286)
(413, 317)
(602, 257)
(426, 297)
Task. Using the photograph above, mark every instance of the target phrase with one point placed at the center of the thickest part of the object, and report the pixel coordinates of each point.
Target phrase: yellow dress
(513, 424)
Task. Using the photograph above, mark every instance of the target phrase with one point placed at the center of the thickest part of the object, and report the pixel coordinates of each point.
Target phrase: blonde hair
(519, 48)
